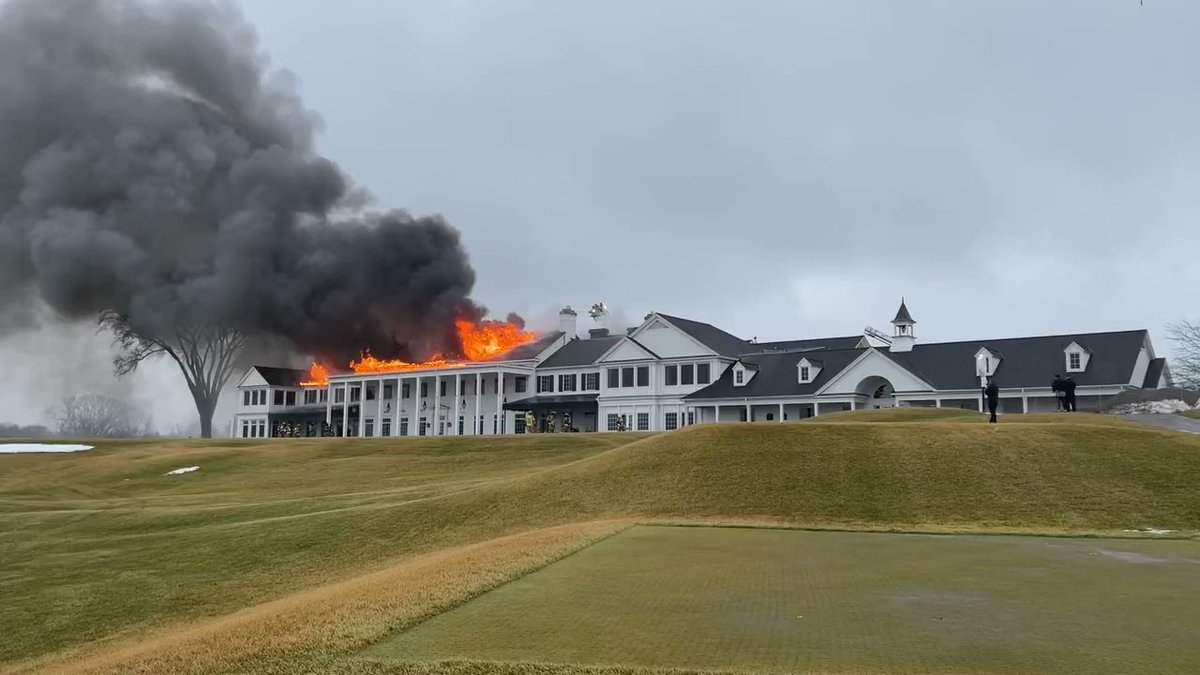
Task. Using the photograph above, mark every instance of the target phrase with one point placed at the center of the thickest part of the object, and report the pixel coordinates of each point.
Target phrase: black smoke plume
(152, 163)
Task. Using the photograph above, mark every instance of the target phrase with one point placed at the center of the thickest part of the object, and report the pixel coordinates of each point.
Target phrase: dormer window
(986, 362)
(739, 376)
(1077, 357)
(807, 370)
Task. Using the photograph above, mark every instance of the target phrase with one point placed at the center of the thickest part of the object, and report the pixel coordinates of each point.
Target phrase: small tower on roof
(903, 335)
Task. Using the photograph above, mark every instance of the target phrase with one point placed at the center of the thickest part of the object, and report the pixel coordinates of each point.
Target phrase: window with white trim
(687, 374)
(591, 381)
(671, 375)
(614, 421)
(1075, 361)
(545, 383)
(804, 374)
(643, 421)
(671, 421)
(567, 382)
(739, 376)
(703, 373)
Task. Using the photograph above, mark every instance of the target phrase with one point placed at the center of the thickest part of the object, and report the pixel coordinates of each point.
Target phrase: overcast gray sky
(781, 168)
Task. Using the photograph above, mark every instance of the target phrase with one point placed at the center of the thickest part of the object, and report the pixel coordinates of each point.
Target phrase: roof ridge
(1033, 337)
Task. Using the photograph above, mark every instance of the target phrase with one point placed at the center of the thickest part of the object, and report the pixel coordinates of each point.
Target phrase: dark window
(405, 391)
(687, 374)
(369, 428)
(703, 373)
(672, 376)
(770, 417)
(424, 392)
(672, 421)
(246, 427)
(388, 390)
(643, 421)
(739, 377)
(804, 373)
(278, 397)
(545, 383)
(290, 398)
(356, 394)
(310, 396)
(627, 377)
(404, 426)
(614, 422)
(591, 381)
(643, 376)
(339, 395)
(566, 382)
(520, 384)
(424, 425)
(245, 401)
(442, 388)
(386, 427)
(462, 387)
(324, 395)
(614, 378)
(691, 418)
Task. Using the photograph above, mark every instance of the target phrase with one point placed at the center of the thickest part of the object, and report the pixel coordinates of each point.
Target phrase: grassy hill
(331, 543)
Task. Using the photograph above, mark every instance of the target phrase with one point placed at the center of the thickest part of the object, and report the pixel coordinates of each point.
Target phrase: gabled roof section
(1028, 362)
(644, 352)
(776, 376)
(282, 377)
(580, 352)
(902, 315)
(724, 344)
(1154, 373)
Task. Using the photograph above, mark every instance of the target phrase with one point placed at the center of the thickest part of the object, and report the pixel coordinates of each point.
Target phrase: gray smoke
(152, 163)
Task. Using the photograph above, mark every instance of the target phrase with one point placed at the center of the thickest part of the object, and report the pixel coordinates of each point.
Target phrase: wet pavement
(1177, 422)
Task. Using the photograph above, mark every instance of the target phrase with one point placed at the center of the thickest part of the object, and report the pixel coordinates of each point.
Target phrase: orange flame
(480, 342)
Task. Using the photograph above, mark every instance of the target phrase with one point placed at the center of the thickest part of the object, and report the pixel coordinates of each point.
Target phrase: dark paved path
(1177, 422)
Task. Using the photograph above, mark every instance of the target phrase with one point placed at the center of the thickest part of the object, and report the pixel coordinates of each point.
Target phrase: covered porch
(556, 414)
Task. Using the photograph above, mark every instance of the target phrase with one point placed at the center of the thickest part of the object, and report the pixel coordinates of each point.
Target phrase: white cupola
(903, 335)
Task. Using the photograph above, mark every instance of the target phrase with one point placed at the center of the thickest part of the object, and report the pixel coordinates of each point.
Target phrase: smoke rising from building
(152, 163)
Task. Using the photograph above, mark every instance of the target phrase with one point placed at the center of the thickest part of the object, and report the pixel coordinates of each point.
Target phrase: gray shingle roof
(580, 352)
(902, 315)
(1027, 362)
(710, 336)
(777, 375)
(282, 377)
(846, 342)
(1154, 373)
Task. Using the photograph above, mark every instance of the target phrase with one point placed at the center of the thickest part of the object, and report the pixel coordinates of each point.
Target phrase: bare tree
(1186, 365)
(98, 416)
(206, 353)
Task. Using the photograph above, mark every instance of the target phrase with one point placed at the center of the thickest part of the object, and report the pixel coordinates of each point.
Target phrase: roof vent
(597, 333)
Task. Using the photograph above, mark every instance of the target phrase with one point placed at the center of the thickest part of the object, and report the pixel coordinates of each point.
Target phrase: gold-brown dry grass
(100, 550)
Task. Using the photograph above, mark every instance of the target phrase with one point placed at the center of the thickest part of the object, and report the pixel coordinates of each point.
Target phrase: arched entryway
(875, 392)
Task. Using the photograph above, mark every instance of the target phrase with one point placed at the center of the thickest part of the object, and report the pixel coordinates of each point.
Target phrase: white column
(749, 413)
(437, 403)
(418, 401)
(854, 404)
(345, 409)
(816, 409)
(780, 412)
(981, 401)
(362, 407)
(399, 402)
(328, 404)
(457, 401)
(499, 428)
(1024, 402)
(378, 430)
(476, 425)
(937, 402)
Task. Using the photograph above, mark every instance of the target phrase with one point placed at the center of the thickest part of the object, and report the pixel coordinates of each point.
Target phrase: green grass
(1194, 413)
(786, 601)
(98, 548)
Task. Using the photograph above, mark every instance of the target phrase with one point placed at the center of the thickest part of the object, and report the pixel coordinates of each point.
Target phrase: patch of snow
(182, 470)
(1165, 407)
(21, 448)
(1151, 530)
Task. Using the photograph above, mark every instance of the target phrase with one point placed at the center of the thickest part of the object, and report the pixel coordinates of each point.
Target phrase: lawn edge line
(919, 530)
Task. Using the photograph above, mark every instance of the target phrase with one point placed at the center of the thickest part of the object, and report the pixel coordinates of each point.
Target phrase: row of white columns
(478, 425)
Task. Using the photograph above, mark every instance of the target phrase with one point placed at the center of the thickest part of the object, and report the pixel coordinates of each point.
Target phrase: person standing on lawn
(1060, 393)
(992, 394)
(1069, 394)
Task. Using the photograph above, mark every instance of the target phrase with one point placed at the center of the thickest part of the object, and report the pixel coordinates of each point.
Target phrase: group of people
(548, 423)
(1063, 388)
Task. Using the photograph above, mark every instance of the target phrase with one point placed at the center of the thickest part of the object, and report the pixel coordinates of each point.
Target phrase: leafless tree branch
(1185, 366)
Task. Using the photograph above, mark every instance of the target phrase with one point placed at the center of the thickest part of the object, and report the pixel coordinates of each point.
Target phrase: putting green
(790, 601)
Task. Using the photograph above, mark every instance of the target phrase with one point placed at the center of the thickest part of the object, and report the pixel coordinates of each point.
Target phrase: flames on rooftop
(478, 341)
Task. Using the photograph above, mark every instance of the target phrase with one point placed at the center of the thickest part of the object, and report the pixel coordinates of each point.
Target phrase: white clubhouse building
(671, 372)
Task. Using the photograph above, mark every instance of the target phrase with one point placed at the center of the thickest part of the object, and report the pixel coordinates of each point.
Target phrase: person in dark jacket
(1069, 394)
(992, 393)
(1060, 394)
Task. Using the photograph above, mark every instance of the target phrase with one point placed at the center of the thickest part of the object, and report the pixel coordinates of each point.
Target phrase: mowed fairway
(793, 601)
(295, 556)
